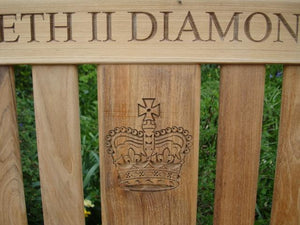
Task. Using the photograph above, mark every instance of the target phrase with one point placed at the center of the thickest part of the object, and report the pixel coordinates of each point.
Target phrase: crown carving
(148, 159)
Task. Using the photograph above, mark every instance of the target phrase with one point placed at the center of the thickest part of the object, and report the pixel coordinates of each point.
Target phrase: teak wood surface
(142, 97)
(286, 198)
(56, 105)
(239, 136)
(114, 31)
(12, 202)
(177, 89)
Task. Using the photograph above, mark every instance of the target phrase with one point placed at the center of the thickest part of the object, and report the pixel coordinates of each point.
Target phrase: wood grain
(12, 201)
(58, 138)
(173, 41)
(286, 198)
(177, 89)
(239, 136)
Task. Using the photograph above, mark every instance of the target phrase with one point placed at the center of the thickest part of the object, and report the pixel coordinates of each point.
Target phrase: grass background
(207, 147)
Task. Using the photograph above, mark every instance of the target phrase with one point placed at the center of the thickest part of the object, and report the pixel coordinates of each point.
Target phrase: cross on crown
(148, 110)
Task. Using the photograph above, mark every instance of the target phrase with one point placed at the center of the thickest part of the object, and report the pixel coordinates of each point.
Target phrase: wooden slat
(58, 138)
(121, 88)
(12, 202)
(286, 198)
(239, 136)
(168, 31)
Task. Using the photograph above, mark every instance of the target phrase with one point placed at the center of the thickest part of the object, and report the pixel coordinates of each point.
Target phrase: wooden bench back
(149, 55)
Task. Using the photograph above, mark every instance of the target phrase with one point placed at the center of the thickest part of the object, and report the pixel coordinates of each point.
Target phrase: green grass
(207, 147)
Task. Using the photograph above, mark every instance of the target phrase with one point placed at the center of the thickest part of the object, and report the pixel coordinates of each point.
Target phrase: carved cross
(148, 110)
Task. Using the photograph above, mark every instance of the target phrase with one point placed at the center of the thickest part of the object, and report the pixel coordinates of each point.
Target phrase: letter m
(234, 20)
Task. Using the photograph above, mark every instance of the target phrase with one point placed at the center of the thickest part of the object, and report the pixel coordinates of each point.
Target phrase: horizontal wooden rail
(143, 31)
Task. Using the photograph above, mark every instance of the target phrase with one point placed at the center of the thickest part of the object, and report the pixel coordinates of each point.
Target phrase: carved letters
(271, 23)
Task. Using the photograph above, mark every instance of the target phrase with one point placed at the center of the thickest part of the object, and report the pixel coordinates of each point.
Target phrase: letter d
(134, 26)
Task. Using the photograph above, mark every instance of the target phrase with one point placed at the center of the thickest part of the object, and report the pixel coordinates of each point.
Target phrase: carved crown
(148, 160)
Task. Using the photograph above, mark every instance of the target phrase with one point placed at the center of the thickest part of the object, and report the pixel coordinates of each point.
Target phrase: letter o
(247, 26)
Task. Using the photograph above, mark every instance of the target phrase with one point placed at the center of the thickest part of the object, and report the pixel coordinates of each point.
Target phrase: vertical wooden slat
(239, 136)
(58, 139)
(12, 202)
(121, 88)
(286, 198)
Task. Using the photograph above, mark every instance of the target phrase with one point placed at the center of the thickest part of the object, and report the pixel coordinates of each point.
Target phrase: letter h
(68, 26)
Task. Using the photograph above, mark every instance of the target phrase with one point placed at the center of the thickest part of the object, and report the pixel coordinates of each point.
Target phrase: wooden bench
(149, 55)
